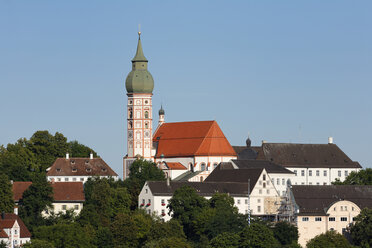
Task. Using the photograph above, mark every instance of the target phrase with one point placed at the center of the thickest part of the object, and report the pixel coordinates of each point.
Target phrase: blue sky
(282, 71)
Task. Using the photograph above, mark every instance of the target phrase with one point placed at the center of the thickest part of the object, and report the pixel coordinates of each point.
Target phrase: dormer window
(58, 169)
(86, 161)
(74, 170)
(72, 161)
(88, 169)
(104, 169)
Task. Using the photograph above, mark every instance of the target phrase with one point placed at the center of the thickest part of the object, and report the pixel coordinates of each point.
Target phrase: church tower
(139, 85)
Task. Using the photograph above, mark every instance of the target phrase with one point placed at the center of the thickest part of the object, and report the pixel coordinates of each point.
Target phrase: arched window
(201, 179)
(130, 113)
(202, 167)
(146, 114)
(130, 124)
(146, 124)
(215, 165)
(264, 185)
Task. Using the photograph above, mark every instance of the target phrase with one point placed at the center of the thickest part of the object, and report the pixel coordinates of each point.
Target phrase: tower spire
(139, 57)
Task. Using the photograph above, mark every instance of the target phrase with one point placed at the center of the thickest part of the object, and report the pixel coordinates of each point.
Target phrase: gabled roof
(316, 199)
(68, 191)
(305, 155)
(235, 176)
(80, 167)
(269, 167)
(3, 234)
(62, 191)
(245, 152)
(18, 188)
(175, 166)
(197, 138)
(160, 188)
(6, 223)
(24, 232)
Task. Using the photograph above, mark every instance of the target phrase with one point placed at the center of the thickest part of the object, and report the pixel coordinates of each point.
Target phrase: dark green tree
(361, 229)
(3, 244)
(168, 242)
(362, 177)
(330, 239)
(185, 206)
(161, 229)
(38, 197)
(6, 195)
(78, 150)
(36, 243)
(285, 233)
(257, 236)
(141, 171)
(225, 240)
(104, 238)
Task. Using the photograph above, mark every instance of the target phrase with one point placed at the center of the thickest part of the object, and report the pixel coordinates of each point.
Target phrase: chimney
(11, 181)
(168, 182)
(264, 141)
(91, 155)
(67, 156)
(330, 140)
(16, 210)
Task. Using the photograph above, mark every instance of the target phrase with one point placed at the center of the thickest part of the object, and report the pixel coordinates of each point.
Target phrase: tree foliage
(330, 239)
(6, 195)
(362, 177)
(285, 233)
(36, 243)
(257, 236)
(225, 240)
(361, 229)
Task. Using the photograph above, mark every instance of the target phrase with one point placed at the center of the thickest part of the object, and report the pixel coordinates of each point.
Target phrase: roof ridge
(206, 135)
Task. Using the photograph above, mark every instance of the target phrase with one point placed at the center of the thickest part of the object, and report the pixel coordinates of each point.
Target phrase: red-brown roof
(175, 166)
(197, 138)
(25, 233)
(68, 191)
(18, 189)
(80, 167)
(6, 223)
(3, 234)
(62, 191)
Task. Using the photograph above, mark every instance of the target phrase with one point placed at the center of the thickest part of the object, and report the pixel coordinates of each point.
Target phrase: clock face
(147, 134)
(130, 134)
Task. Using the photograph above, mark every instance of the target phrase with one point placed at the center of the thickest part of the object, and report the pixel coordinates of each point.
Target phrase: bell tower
(139, 85)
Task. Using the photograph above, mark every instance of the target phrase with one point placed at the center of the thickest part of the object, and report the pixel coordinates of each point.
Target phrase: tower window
(146, 125)
(146, 114)
(202, 167)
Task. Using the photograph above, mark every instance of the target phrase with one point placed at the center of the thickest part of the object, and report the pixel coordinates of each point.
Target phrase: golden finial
(139, 29)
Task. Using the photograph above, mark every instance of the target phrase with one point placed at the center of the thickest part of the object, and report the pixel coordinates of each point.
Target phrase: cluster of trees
(362, 177)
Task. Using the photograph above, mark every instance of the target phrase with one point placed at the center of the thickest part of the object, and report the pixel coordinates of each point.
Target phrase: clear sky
(284, 71)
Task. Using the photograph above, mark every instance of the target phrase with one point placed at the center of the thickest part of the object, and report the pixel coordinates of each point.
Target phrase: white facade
(264, 200)
(319, 176)
(14, 236)
(62, 207)
(280, 182)
(83, 179)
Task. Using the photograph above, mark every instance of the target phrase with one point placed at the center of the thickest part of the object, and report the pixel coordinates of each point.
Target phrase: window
(260, 182)
(88, 169)
(162, 212)
(352, 208)
(58, 169)
(283, 193)
(74, 179)
(258, 200)
(283, 181)
(76, 207)
(272, 181)
(346, 173)
(143, 201)
(82, 179)
(342, 208)
(146, 191)
(332, 219)
(331, 229)
(317, 183)
(343, 218)
(64, 207)
(318, 218)
(317, 173)
(264, 177)
(334, 209)
(74, 170)
(238, 201)
(260, 191)
(295, 172)
(246, 201)
(310, 173)
(202, 167)
(264, 185)
(215, 165)
(305, 218)
(268, 191)
(303, 173)
(310, 183)
(302, 183)
(278, 181)
(325, 173)
(258, 208)
(339, 173)
(146, 114)
(15, 231)
(162, 202)
(149, 201)
(58, 179)
(66, 179)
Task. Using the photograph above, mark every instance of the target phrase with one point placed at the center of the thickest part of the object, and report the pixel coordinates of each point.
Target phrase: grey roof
(245, 152)
(269, 166)
(305, 155)
(315, 200)
(186, 176)
(236, 176)
(160, 188)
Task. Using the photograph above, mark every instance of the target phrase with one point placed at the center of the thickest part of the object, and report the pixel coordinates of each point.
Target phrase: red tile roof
(197, 138)
(80, 167)
(175, 166)
(68, 191)
(3, 234)
(62, 191)
(25, 233)
(6, 223)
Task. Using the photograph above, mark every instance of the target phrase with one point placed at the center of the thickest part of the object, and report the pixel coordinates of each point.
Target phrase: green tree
(3, 244)
(285, 233)
(66, 235)
(141, 171)
(78, 150)
(6, 195)
(225, 240)
(161, 229)
(330, 239)
(168, 242)
(104, 238)
(185, 206)
(36, 243)
(38, 197)
(362, 177)
(361, 229)
(257, 236)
